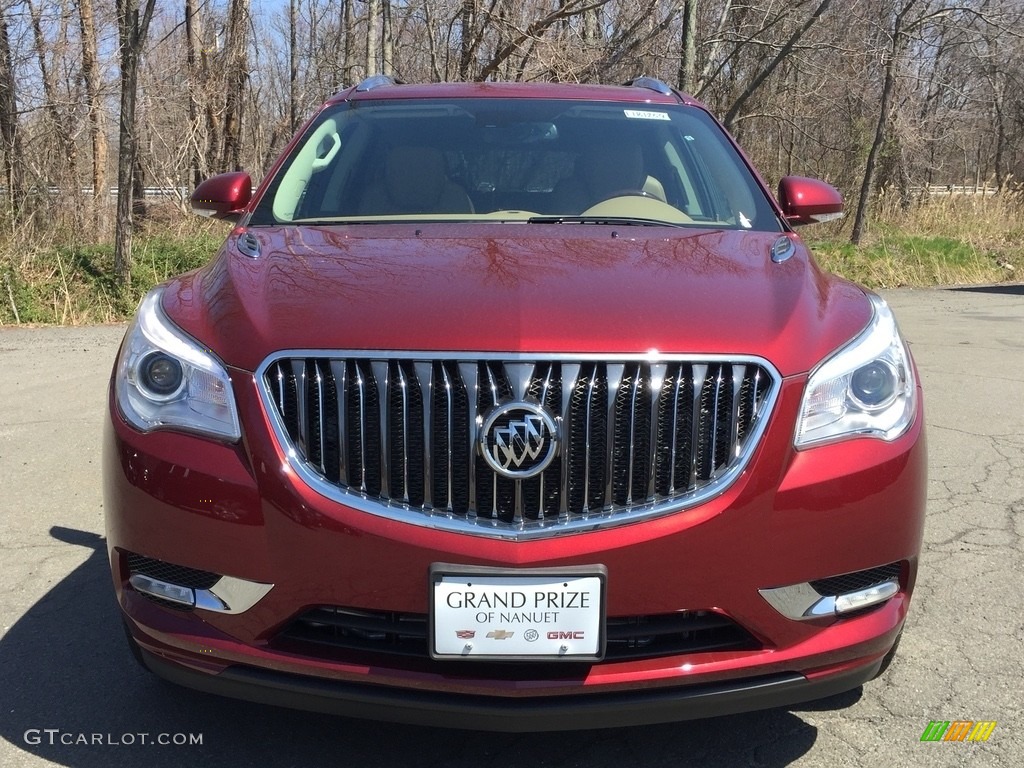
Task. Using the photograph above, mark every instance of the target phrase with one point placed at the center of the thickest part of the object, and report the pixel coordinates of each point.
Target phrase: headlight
(866, 388)
(165, 379)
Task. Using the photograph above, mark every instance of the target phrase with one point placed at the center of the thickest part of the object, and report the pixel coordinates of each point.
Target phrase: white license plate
(492, 613)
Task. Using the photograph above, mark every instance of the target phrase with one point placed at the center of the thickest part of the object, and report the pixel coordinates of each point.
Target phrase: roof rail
(651, 83)
(377, 81)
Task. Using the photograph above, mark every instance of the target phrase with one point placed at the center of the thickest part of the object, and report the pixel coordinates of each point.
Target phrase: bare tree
(688, 61)
(237, 74)
(94, 105)
(370, 65)
(133, 27)
(892, 57)
(60, 124)
(737, 106)
(9, 130)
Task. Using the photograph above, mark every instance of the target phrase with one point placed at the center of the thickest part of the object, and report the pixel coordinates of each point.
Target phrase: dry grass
(49, 275)
(54, 278)
(956, 240)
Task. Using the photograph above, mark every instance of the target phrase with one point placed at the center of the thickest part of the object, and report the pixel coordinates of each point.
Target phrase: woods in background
(878, 97)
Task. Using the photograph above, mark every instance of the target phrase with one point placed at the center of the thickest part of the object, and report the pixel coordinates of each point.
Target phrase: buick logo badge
(519, 440)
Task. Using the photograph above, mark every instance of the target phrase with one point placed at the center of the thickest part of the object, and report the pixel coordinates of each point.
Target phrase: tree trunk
(372, 12)
(237, 75)
(467, 22)
(9, 134)
(196, 93)
(132, 31)
(888, 87)
(688, 61)
(388, 41)
(591, 30)
(349, 63)
(67, 175)
(293, 67)
(94, 99)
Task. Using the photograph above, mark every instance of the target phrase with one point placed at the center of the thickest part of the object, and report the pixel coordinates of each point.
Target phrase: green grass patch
(963, 240)
(74, 285)
(892, 259)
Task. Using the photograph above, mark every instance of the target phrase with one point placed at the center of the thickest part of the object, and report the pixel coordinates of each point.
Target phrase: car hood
(518, 288)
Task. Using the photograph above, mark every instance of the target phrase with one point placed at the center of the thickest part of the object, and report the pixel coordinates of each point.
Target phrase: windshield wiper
(628, 221)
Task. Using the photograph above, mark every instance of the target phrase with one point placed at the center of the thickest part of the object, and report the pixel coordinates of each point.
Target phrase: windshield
(543, 161)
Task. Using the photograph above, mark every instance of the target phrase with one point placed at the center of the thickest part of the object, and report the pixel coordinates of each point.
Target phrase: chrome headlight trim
(831, 411)
(204, 403)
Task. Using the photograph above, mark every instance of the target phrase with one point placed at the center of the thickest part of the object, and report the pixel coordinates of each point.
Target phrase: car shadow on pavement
(71, 694)
(1010, 289)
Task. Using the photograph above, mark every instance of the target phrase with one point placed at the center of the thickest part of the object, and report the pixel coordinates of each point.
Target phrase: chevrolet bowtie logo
(500, 634)
(519, 441)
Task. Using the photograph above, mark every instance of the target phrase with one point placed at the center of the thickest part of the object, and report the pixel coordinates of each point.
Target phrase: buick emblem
(519, 440)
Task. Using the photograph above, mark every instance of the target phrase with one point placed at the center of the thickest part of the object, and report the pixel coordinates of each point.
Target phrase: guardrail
(179, 194)
(938, 190)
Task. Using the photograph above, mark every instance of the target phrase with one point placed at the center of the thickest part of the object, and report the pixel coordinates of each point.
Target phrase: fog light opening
(802, 602)
(865, 598)
(163, 590)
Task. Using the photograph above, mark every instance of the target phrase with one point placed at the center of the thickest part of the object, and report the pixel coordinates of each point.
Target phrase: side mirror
(807, 201)
(223, 196)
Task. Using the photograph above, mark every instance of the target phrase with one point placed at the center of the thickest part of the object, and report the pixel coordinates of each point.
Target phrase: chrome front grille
(397, 434)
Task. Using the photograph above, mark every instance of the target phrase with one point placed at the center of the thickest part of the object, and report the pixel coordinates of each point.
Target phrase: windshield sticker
(644, 114)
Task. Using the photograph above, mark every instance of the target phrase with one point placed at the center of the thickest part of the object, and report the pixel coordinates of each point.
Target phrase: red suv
(514, 407)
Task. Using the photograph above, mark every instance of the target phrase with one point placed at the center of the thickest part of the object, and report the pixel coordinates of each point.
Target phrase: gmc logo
(572, 635)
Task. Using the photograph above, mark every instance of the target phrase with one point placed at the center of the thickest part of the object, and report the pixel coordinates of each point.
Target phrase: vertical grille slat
(338, 372)
(401, 432)
(655, 383)
(405, 434)
(375, 451)
(301, 420)
(542, 494)
(283, 389)
(723, 428)
(704, 410)
(315, 415)
(495, 495)
(425, 378)
(587, 441)
(362, 416)
(328, 420)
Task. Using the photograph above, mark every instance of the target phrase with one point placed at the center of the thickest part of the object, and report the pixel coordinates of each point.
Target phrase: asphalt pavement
(71, 695)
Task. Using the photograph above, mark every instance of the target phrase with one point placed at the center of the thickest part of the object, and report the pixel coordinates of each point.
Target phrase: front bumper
(534, 714)
(793, 517)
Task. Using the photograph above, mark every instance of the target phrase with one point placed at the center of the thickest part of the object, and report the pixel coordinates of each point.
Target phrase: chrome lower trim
(801, 602)
(228, 595)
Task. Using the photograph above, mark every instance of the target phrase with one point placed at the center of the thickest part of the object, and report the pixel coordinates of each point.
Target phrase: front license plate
(492, 613)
